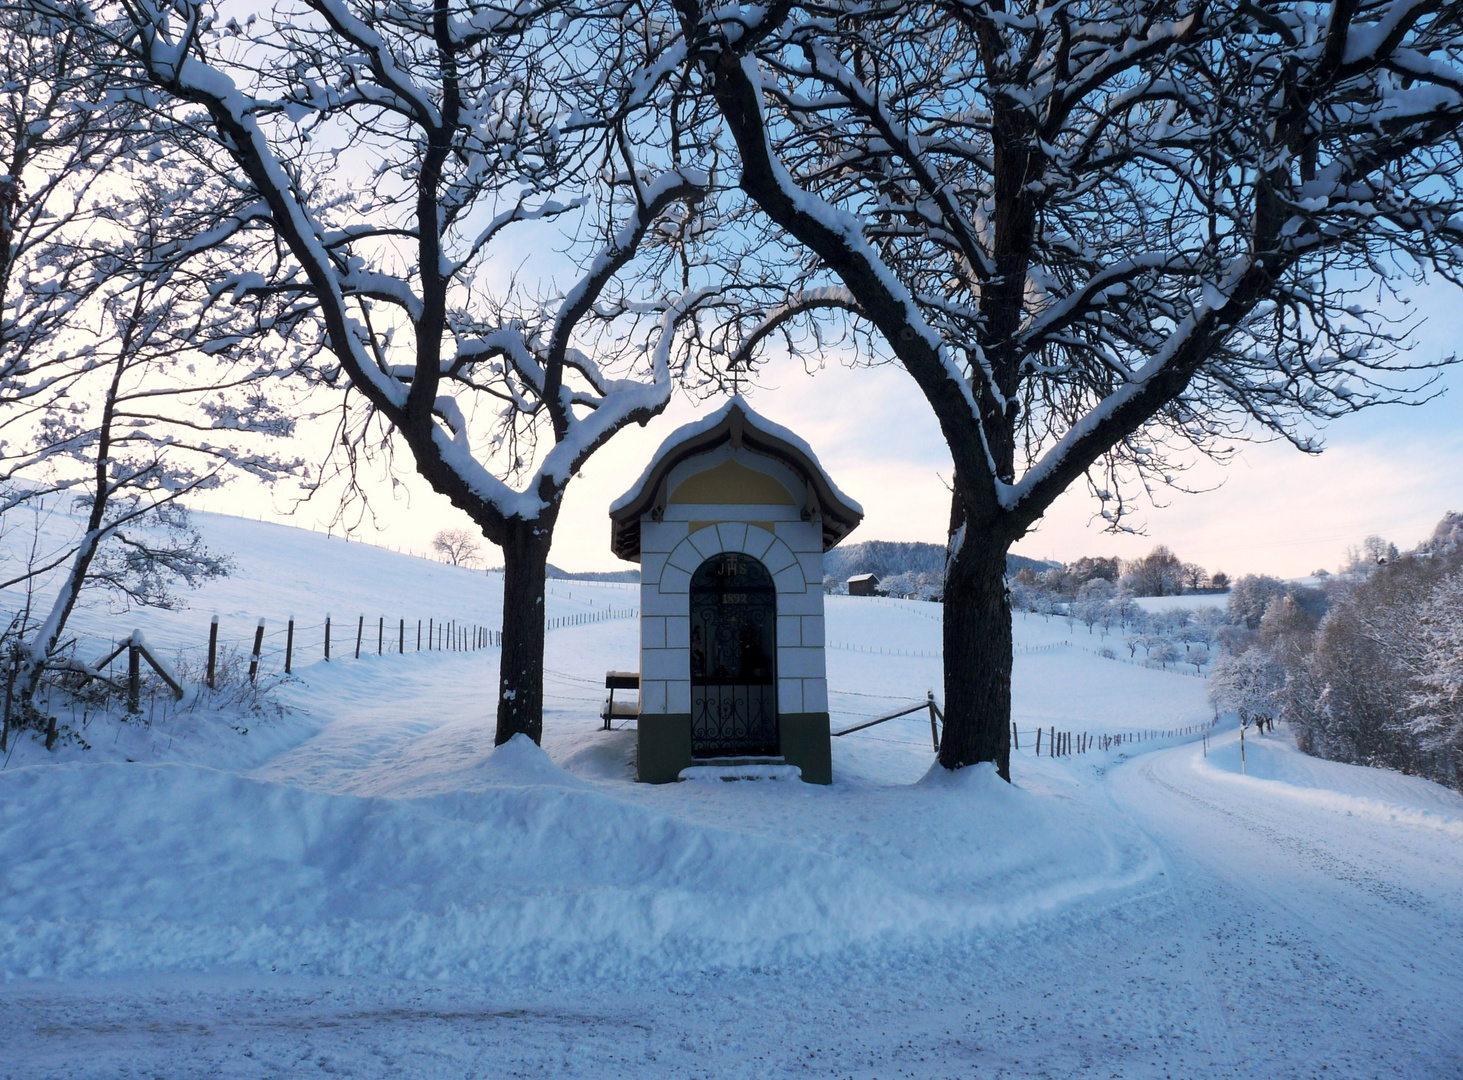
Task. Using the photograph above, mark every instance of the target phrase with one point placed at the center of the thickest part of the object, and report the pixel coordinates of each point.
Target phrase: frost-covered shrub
(1094, 602)
(924, 585)
(1249, 597)
(1247, 684)
(1164, 652)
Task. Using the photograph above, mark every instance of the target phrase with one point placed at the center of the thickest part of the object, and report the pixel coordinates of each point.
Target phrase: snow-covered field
(365, 887)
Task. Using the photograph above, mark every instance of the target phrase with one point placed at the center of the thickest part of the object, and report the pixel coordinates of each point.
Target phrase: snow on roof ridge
(754, 420)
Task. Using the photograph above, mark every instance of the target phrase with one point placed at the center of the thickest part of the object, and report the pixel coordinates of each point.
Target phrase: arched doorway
(733, 658)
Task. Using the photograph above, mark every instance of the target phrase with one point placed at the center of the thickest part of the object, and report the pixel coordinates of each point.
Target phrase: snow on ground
(365, 887)
(1192, 601)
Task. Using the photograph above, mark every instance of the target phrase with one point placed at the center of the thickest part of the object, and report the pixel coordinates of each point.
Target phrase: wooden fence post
(212, 651)
(134, 675)
(1015, 737)
(327, 638)
(419, 635)
(401, 637)
(360, 632)
(430, 631)
(258, 648)
(381, 635)
(1038, 742)
(1051, 742)
(289, 645)
(934, 732)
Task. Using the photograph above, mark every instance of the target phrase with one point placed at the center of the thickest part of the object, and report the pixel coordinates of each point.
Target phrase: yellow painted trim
(732, 483)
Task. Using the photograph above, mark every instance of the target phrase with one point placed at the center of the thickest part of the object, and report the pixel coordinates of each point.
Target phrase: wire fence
(1066, 743)
(1040, 742)
(280, 647)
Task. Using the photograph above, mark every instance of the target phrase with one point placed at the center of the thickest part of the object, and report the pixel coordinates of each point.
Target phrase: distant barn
(863, 585)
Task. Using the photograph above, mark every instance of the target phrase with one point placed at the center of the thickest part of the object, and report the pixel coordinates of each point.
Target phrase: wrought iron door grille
(732, 719)
(733, 657)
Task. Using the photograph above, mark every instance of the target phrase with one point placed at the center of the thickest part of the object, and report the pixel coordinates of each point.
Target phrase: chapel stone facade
(729, 524)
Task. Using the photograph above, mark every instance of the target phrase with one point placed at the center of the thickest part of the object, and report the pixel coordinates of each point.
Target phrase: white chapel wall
(792, 551)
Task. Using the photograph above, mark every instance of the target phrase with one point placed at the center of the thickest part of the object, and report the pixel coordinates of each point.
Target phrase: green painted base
(805, 743)
(663, 746)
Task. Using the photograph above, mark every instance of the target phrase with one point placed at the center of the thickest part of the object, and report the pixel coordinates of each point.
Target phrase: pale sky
(1392, 472)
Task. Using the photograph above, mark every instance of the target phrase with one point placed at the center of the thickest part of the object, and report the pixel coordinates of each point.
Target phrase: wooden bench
(620, 680)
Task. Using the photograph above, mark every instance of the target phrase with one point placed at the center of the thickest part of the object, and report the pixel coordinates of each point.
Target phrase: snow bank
(1274, 767)
(114, 868)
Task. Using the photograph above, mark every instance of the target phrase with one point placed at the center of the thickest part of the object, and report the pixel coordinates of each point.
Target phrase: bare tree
(136, 428)
(59, 135)
(403, 159)
(1159, 573)
(457, 546)
(1096, 237)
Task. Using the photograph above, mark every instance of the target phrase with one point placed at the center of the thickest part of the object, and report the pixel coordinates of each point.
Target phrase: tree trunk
(977, 656)
(48, 634)
(521, 665)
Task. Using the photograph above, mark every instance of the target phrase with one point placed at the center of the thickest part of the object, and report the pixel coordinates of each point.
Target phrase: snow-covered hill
(365, 886)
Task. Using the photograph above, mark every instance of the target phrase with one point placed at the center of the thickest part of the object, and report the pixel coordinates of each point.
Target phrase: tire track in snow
(1327, 862)
(1397, 933)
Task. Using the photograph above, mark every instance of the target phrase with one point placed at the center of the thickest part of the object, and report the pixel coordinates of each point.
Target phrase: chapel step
(742, 768)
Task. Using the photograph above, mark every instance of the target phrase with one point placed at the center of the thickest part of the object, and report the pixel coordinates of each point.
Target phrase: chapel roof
(738, 424)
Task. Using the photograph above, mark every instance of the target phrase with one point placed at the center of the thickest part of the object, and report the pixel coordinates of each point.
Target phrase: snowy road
(1325, 934)
(1309, 928)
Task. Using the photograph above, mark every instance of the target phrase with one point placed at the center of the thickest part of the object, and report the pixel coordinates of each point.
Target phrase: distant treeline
(892, 558)
(554, 573)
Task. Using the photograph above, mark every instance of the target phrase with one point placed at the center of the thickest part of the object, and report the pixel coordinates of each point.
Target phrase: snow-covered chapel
(729, 523)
